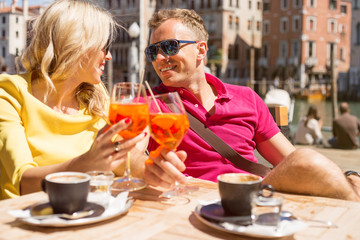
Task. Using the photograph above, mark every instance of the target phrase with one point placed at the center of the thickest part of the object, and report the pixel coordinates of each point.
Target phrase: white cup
(100, 187)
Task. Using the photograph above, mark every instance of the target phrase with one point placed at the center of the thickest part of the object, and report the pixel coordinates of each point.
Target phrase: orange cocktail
(138, 112)
(128, 100)
(168, 129)
(168, 126)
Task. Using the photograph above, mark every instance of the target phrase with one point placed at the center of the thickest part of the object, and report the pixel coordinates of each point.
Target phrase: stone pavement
(346, 159)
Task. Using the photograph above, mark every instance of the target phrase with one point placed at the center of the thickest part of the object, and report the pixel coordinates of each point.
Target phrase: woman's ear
(202, 47)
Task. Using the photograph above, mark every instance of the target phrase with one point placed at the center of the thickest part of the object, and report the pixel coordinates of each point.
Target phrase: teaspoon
(286, 215)
(75, 215)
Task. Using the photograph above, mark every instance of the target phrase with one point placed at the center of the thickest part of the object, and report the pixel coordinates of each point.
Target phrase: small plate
(45, 209)
(216, 212)
(100, 214)
(285, 228)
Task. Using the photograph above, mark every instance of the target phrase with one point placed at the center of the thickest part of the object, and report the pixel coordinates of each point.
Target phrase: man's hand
(165, 167)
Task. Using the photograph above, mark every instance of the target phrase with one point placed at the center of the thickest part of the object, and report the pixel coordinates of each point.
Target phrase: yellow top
(32, 134)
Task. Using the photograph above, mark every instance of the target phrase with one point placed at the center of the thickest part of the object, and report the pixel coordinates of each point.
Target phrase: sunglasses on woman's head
(169, 47)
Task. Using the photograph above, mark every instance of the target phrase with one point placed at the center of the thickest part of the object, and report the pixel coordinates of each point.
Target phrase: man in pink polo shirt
(240, 117)
(178, 47)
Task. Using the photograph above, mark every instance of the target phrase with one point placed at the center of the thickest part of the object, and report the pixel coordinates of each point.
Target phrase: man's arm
(275, 149)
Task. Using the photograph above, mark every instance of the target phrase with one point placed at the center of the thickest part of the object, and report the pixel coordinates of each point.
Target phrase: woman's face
(92, 71)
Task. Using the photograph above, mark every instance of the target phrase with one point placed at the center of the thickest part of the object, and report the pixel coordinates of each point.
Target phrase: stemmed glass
(168, 126)
(128, 100)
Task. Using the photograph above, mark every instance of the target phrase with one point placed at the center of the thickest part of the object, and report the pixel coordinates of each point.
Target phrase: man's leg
(355, 183)
(333, 142)
(306, 171)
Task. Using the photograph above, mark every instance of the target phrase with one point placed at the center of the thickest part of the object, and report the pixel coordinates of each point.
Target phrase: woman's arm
(101, 156)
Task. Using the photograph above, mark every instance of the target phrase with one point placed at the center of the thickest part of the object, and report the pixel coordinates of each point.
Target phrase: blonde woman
(51, 116)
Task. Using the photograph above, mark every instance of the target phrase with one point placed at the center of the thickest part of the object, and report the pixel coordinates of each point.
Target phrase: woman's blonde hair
(189, 18)
(63, 38)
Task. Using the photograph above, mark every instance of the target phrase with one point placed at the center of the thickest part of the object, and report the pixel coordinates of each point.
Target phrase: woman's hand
(101, 156)
(105, 154)
(164, 167)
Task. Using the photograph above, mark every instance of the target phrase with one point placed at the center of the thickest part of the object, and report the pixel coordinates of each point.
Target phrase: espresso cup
(67, 191)
(237, 191)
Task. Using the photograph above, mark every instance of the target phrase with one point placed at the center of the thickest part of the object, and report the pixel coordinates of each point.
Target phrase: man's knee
(308, 160)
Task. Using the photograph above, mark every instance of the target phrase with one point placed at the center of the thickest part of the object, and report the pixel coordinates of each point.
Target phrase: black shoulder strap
(225, 150)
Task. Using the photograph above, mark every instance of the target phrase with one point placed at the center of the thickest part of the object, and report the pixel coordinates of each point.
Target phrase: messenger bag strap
(225, 150)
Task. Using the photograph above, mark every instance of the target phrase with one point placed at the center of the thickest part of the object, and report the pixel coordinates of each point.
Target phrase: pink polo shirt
(241, 119)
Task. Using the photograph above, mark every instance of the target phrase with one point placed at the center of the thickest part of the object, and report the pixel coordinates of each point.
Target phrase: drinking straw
(152, 95)
(140, 85)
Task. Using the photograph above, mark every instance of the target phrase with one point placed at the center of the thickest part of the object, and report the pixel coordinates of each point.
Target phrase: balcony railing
(293, 61)
(311, 61)
(263, 62)
(281, 61)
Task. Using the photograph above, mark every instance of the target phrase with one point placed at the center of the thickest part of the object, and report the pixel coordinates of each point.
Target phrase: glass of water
(266, 209)
(100, 187)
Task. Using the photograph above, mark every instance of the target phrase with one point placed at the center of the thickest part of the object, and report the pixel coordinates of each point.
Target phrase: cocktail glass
(168, 126)
(128, 100)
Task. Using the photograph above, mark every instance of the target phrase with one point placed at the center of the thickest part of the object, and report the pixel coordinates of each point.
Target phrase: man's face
(177, 70)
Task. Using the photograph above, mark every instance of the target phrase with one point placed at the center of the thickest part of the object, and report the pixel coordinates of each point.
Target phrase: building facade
(249, 40)
(13, 31)
(234, 28)
(354, 74)
(299, 38)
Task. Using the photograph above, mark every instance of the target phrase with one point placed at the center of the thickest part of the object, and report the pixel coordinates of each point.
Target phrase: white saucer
(285, 228)
(114, 209)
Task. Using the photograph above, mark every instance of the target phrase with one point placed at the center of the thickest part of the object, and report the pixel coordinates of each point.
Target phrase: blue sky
(31, 2)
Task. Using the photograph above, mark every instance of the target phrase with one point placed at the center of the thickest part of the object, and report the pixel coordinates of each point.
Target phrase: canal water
(324, 111)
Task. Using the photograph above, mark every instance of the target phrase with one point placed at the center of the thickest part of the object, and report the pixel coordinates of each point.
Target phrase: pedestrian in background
(308, 130)
(346, 129)
(4, 69)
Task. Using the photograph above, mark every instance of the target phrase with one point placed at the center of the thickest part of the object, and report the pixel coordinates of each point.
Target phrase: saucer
(118, 206)
(44, 209)
(285, 228)
(216, 212)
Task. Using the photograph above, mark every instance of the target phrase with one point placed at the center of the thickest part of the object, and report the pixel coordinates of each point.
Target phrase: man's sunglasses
(169, 47)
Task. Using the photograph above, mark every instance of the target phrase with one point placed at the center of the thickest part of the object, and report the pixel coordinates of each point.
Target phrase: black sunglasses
(169, 47)
(107, 49)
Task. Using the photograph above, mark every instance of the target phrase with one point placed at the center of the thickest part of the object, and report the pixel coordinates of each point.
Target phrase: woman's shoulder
(19, 81)
(313, 122)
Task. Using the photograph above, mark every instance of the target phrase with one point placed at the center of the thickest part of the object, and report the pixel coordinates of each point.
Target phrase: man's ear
(203, 48)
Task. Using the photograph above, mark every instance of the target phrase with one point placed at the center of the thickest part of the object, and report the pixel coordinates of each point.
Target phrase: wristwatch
(348, 173)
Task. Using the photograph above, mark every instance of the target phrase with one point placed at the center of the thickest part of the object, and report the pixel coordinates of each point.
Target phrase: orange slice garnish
(164, 121)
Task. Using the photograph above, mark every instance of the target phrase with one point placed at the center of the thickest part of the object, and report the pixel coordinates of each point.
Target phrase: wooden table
(151, 219)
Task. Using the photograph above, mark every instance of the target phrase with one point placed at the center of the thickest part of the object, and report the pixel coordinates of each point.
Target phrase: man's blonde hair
(189, 18)
(63, 39)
